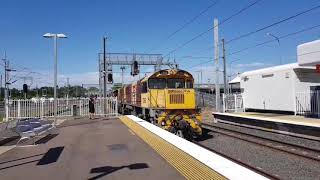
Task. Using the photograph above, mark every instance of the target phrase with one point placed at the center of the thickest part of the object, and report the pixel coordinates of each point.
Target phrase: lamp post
(278, 40)
(55, 39)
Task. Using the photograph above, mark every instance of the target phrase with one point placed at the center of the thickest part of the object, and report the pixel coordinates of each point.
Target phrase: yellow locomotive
(167, 98)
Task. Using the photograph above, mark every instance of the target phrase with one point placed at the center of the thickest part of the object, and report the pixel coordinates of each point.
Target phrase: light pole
(278, 40)
(199, 77)
(55, 39)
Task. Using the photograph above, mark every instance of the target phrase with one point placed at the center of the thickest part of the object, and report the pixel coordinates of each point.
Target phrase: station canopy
(308, 54)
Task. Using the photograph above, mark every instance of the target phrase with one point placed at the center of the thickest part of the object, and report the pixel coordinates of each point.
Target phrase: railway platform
(118, 148)
(286, 124)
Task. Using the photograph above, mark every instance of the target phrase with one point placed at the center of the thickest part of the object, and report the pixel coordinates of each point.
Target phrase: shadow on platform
(46, 138)
(51, 156)
(105, 170)
(4, 162)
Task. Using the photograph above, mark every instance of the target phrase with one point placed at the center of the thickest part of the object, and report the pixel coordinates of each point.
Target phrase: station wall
(269, 91)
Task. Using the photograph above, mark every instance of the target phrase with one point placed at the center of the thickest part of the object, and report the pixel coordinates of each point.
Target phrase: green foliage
(73, 91)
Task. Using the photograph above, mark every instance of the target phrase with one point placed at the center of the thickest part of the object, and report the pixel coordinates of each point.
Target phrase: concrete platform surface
(87, 149)
(285, 124)
(291, 119)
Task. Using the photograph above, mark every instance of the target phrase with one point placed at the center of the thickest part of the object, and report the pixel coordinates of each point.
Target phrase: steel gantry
(129, 59)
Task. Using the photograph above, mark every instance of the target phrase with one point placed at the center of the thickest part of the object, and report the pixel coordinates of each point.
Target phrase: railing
(308, 103)
(232, 103)
(44, 108)
(206, 99)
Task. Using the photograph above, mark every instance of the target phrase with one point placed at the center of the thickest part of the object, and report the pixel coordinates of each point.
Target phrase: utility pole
(122, 71)
(0, 85)
(104, 75)
(224, 68)
(6, 70)
(200, 77)
(37, 90)
(100, 80)
(68, 91)
(216, 60)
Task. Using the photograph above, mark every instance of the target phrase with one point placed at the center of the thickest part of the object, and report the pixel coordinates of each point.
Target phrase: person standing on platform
(91, 108)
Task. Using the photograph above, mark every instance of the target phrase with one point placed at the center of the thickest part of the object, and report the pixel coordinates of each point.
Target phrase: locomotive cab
(170, 99)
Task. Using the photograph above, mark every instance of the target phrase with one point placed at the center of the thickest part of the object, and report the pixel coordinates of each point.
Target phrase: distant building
(234, 85)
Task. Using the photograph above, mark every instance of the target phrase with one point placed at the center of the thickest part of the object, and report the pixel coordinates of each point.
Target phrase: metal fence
(232, 103)
(205, 99)
(308, 103)
(44, 108)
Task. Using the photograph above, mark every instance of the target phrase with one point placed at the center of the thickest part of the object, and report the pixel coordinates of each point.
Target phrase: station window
(157, 83)
(266, 75)
(175, 83)
(189, 84)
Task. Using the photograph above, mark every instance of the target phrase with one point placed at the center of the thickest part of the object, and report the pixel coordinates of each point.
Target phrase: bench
(29, 128)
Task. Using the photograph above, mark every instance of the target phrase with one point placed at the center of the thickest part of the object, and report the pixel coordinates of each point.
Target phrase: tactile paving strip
(185, 164)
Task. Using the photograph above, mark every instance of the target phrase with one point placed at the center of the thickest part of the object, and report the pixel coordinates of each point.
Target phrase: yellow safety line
(131, 132)
(185, 164)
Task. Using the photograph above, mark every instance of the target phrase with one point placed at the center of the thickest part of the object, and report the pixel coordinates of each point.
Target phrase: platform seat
(30, 128)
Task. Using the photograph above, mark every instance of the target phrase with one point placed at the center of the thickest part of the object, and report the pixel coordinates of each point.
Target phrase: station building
(291, 88)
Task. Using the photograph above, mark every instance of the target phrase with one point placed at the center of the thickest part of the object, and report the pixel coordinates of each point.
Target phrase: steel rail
(267, 141)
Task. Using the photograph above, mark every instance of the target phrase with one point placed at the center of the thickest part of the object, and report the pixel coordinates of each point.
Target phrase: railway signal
(135, 68)
(25, 90)
(110, 78)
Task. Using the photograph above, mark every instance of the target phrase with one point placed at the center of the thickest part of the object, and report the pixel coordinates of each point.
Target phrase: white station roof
(275, 69)
(235, 80)
(308, 54)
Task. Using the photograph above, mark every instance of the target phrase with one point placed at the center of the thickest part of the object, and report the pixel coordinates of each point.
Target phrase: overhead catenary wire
(208, 30)
(263, 43)
(273, 24)
(267, 26)
(214, 3)
(193, 19)
(269, 41)
(24, 71)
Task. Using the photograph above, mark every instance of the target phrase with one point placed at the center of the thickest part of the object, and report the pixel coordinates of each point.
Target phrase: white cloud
(250, 65)
(208, 74)
(45, 78)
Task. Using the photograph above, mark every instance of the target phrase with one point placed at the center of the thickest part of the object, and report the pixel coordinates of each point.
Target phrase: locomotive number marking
(171, 91)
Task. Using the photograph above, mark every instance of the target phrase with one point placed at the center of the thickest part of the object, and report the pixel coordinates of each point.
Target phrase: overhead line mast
(216, 60)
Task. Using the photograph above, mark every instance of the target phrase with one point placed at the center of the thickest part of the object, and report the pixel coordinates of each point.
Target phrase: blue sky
(143, 25)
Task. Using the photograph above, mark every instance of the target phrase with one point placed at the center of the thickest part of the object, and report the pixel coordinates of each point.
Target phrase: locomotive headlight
(163, 123)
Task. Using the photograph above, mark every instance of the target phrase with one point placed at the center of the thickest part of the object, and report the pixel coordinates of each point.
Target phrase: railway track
(293, 149)
(242, 163)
